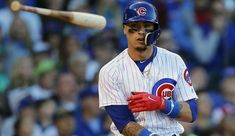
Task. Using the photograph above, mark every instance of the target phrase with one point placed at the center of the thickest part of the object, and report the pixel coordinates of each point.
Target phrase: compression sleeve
(194, 108)
(120, 115)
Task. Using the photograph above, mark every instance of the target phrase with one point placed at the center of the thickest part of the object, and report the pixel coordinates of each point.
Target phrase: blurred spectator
(25, 109)
(46, 73)
(21, 79)
(162, 12)
(226, 126)
(166, 41)
(208, 31)
(75, 5)
(4, 79)
(19, 43)
(102, 51)
(40, 52)
(228, 91)
(112, 12)
(204, 125)
(53, 39)
(90, 120)
(24, 126)
(82, 34)
(69, 46)
(200, 78)
(198, 28)
(78, 66)
(55, 4)
(67, 91)
(64, 122)
(228, 39)
(188, 129)
(52, 26)
(32, 21)
(180, 18)
(45, 109)
(228, 84)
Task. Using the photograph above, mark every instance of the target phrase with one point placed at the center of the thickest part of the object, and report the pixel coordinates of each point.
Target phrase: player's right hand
(142, 101)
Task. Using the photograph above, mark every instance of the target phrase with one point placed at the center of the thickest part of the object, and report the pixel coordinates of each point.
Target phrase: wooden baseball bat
(76, 18)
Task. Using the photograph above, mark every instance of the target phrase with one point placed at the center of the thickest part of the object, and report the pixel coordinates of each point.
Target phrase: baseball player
(146, 90)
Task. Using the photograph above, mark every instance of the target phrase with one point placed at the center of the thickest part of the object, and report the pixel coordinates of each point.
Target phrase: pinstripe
(123, 79)
(132, 70)
(165, 67)
(127, 78)
(152, 115)
(109, 81)
(178, 78)
(154, 73)
(121, 76)
(173, 68)
(160, 118)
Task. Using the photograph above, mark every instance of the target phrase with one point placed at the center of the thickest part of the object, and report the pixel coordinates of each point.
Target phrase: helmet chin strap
(151, 37)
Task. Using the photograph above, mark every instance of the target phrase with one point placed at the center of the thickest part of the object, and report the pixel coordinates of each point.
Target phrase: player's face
(135, 33)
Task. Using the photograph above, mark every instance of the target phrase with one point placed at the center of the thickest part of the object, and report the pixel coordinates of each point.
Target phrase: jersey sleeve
(184, 89)
(109, 91)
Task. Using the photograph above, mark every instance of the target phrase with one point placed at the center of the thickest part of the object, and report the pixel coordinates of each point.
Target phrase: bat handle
(16, 6)
(41, 11)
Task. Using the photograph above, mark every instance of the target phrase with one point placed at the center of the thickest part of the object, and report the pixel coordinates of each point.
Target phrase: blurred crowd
(49, 69)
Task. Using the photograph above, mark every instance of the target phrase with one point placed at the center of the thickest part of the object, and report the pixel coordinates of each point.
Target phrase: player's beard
(141, 49)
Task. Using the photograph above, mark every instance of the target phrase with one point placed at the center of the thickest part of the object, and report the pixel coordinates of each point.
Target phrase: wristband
(172, 109)
(145, 132)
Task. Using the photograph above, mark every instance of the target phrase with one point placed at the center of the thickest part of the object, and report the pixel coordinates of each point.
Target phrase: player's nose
(142, 30)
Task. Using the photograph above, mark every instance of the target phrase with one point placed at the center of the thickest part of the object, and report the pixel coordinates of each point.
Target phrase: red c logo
(141, 11)
(187, 77)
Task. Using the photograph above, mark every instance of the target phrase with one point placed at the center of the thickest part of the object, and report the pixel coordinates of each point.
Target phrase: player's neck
(137, 55)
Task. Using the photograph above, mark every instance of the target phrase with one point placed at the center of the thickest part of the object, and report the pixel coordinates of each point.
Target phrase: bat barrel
(89, 20)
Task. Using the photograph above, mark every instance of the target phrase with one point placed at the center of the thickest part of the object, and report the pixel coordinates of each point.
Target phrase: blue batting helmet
(140, 11)
(143, 11)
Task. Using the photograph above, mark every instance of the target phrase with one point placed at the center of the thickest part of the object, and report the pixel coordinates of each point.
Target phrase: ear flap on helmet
(151, 38)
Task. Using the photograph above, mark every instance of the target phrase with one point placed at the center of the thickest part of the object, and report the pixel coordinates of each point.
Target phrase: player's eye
(132, 30)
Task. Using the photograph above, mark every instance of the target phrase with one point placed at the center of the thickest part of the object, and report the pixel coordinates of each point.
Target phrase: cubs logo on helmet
(164, 88)
(141, 11)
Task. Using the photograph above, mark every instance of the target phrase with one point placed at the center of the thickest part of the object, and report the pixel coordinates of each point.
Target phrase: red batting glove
(142, 101)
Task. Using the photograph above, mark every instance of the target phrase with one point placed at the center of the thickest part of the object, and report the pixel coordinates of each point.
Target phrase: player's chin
(141, 46)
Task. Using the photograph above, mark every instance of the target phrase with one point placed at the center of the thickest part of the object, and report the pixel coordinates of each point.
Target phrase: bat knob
(15, 6)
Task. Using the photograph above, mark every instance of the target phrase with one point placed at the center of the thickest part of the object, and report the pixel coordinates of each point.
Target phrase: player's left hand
(142, 101)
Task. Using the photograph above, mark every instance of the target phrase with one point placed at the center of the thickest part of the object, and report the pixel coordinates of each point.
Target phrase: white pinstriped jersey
(166, 75)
